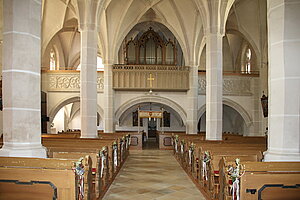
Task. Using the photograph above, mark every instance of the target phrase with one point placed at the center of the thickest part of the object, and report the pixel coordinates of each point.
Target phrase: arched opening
(66, 115)
(171, 120)
(130, 120)
(233, 121)
(68, 118)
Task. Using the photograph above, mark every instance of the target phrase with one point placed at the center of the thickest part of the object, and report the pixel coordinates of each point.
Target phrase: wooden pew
(123, 140)
(206, 170)
(250, 149)
(63, 146)
(85, 145)
(13, 190)
(70, 179)
(61, 135)
(213, 184)
(100, 165)
(271, 180)
(69, 147)
(202, 146)
(78, 142)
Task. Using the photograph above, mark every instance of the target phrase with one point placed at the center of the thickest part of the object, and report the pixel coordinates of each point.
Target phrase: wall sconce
(264, 104)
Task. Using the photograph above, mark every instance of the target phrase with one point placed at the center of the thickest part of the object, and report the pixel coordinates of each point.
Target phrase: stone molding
(69, 82)
(232, 85)
(165, 78)
(65, 81)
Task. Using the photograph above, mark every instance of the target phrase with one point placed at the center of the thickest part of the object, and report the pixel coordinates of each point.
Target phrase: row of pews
(233, 168)
(75, 168)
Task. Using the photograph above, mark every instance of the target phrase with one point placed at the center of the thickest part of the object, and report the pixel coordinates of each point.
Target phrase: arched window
(52, 60)
(100, 66)
(248, 61)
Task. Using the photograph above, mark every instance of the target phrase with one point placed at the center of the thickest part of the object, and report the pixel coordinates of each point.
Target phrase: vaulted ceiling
(187, 20)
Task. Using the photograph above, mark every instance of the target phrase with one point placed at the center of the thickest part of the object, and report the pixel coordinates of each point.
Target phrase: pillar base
(191, 130)
(270, 156)
(214, 139)
(89, 136)
(33, 150)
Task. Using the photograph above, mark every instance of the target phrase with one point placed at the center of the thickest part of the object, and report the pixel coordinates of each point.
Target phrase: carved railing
(233, 85)
(138, 77)
(135, 77)
(67, 81)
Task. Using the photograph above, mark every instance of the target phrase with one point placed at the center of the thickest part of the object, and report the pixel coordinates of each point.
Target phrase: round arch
(246, 117)
(152, 99)
(67, 101)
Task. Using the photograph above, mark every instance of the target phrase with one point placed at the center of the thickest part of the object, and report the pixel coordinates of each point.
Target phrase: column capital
(213, 34)
(108, 62)
(87, 27)
(193, 64)
(88, 14)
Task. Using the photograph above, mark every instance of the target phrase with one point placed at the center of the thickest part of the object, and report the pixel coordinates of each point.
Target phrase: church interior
(149, 99)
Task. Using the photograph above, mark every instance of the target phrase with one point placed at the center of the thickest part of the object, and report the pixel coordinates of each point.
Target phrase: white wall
(59, 120)
(75, 123)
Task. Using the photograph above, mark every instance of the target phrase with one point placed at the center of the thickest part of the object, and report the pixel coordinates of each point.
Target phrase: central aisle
(152, 174)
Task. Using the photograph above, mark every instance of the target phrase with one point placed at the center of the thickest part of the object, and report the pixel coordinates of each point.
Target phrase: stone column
(88, 81)
(22, 79)
(256, 128)
(109, 125)
(214, 86)
(192, 95)
(284, 81)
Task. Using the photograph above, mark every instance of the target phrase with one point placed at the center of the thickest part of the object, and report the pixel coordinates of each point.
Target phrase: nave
(152, 174)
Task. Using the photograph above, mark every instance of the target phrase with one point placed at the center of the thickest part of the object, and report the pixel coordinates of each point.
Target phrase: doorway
(151, 142)
(152, 128)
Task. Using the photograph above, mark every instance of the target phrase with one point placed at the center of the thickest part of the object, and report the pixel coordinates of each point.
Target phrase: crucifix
(150, 79)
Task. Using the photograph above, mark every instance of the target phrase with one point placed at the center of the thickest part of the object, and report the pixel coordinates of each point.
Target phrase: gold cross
(150, 79)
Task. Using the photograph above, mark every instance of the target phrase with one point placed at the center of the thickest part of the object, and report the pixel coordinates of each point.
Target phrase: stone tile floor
(155, 175)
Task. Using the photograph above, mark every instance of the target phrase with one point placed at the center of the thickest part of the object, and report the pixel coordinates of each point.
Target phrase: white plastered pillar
(192, 95)
(214, 86)
(21, 79)
(109, 125)
(88, 81)
(284, 81)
